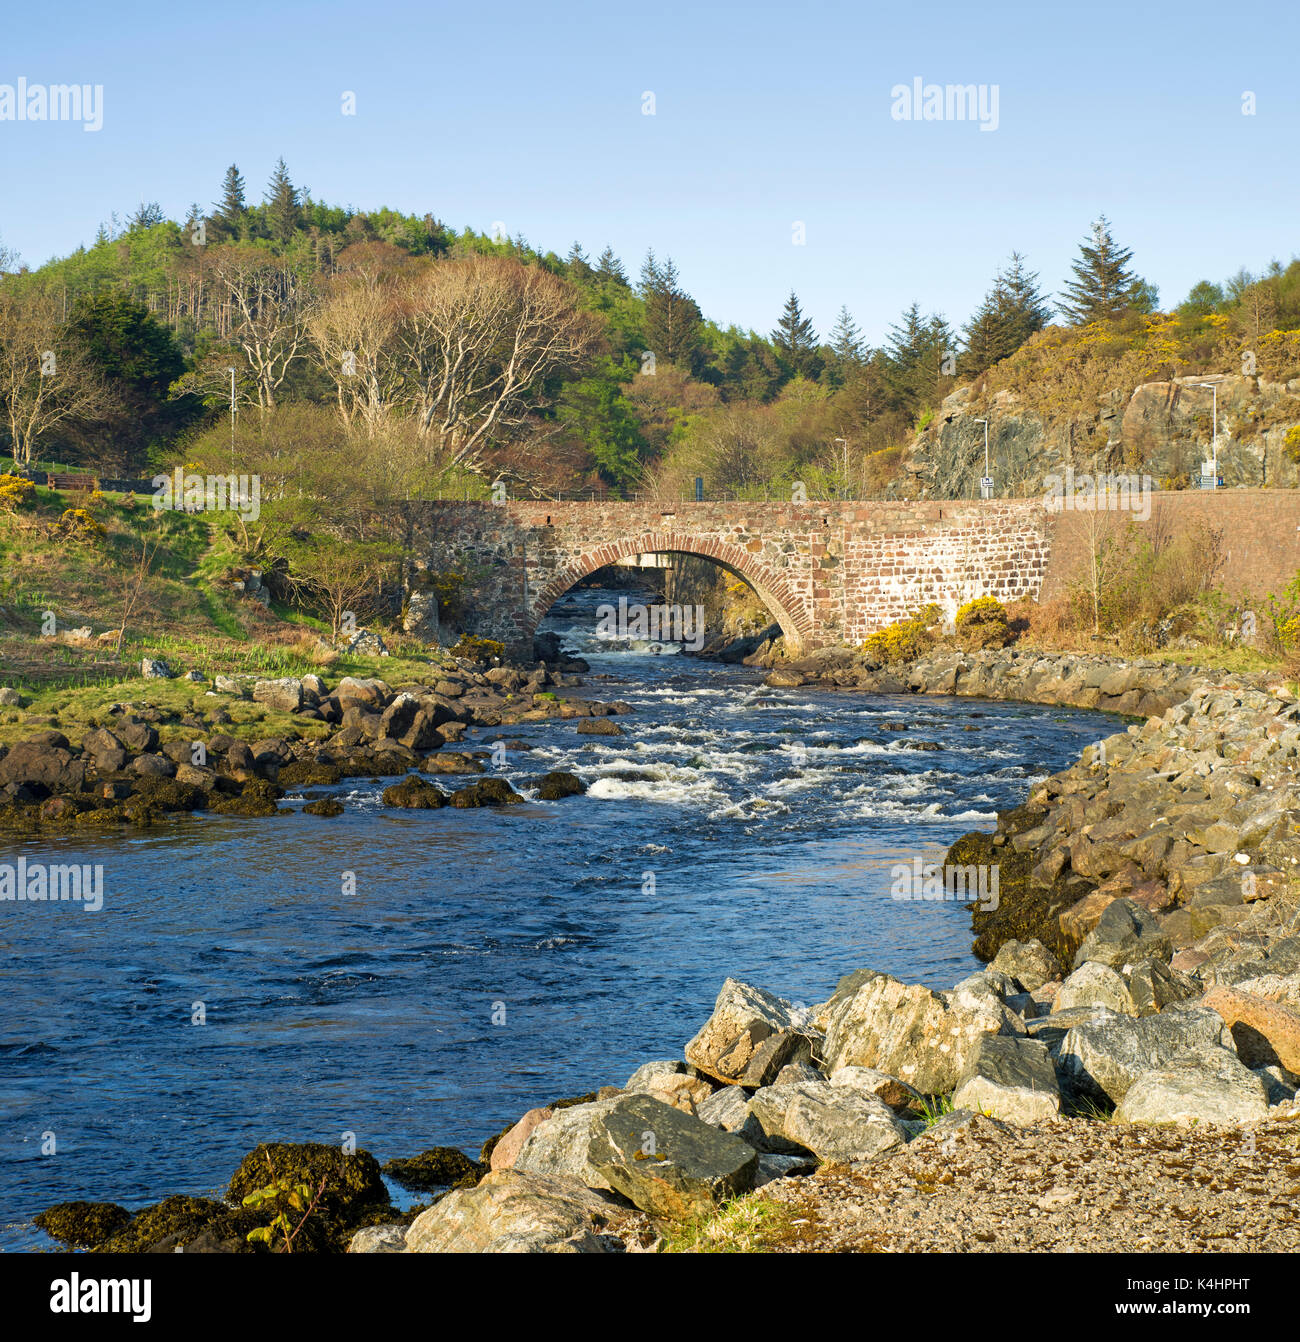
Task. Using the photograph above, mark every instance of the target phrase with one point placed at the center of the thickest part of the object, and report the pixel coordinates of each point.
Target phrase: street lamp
(986, 481)
(845, 441)
(231, 371)
(1214, 444)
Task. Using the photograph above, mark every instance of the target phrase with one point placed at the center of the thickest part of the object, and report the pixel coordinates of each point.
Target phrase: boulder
(414, 794)
(1095, 984)
(561, 1145)
(284, 695)
(1030, 963)
(913, 1033)
(364, 692)
(727, 1108)
(379, 1239)
(153, 668)
(1011, 1079)
(1125, 933)
(903, 1099)
(599, 727)
(844, 989)
(513, 1212)
(677, 1089)
(1154, 985)
(506, 1151)
(837, 1124)
(743, 1018)
(43, 764)
(107, 750)
(1210, 1086)
(668, 1163)
(1099, 1059)
(1265, 1033)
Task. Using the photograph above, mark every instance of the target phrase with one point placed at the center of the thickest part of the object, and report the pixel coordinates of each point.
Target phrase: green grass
(750, 1224)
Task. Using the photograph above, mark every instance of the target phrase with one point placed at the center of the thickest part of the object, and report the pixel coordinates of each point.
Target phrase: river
(486, 961)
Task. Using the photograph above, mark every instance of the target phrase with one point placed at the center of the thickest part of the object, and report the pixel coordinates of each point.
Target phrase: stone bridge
(827, 572)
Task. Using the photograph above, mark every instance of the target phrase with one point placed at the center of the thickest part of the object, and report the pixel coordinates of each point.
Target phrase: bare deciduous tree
(43, 380)
(268, 305)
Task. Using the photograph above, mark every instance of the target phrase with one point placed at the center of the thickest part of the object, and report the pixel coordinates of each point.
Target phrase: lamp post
(986, 481)
(231, 371)
(1214, 442)
(845, 441)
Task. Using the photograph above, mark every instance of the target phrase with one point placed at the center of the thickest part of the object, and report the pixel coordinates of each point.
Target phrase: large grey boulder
(1212, 1086)
(1009, 1078)
(1100, 1059)
(727, 1108)
(910, 1032)
(743, 1019)
(511, 1212)
(1030, 963)
(898, 1095)
(838, 1124)
(283, 694)
(561, 1144)
(821, 1014)
(1095, 984)
(1125, 933)
(1154, 985)
(669, 1163)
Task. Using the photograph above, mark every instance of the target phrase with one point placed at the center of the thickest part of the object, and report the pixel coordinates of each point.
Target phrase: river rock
(821, 1014)
(40, 762)
(283, 694)
(1101, 1058)
(1265, 1033)
(1154, 985)
(1125, 933)
(379, 1239)
(513, 1212)
(1095, 984)
(364, 692)
(898, 1095)
(506, 1151)
(561, 1145)
(743, 1019)
(727, 1108)
(668, 1163)
(838, 1124)
(670, 1083)
(1030, 963)
(1210, 1086)
(914, 1033)
(1011, 1079)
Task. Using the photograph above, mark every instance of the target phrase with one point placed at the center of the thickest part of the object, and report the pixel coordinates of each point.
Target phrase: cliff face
(1160, 429)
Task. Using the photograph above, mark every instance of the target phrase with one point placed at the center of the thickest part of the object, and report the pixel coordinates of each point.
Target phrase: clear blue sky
(766, 114)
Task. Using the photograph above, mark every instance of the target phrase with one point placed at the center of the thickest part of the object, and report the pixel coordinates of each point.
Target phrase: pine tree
(1012, 311)
(230, 208)
(795, 339)
(282, 208)
(914, 358)
(1104, 286)
(672, 317)
(846, 339)
(609, 267)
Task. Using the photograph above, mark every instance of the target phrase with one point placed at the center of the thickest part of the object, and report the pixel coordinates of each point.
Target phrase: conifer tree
(672, 317)
(282, 209)
(1012, 311)
(609, 267)
(1104, 285)
(795, 339)
(231, 206)
(846, 339)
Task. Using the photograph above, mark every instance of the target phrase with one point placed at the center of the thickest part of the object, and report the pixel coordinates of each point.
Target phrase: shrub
(15, 492)
(475, 649)
(982, 623)
(1291, 443)
(79, 524)
(908, 639)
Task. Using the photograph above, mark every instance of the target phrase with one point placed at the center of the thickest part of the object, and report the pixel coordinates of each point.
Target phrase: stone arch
(789, 610)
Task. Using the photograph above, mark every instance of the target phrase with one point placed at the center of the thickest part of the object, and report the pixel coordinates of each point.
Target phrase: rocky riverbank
(141, 759)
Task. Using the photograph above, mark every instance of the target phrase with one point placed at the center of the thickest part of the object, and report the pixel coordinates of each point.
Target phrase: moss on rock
(438, 1167)
(414, 794)
(486, 792)
(82, 1224)
(325, 806)
(559, 783)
